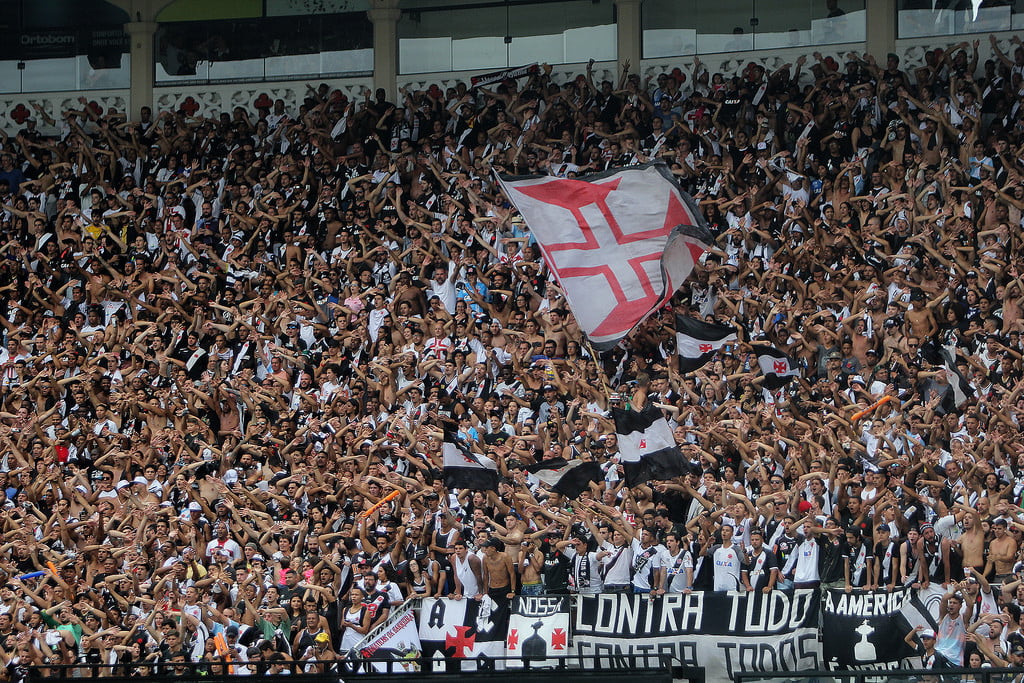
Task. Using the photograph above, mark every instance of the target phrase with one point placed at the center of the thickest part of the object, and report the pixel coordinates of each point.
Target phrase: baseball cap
(322, 638)
(926, 633)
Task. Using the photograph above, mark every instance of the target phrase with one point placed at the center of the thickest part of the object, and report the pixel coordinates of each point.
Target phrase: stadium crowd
(226, 338)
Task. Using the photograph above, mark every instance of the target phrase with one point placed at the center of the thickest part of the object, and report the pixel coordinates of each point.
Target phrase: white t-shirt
(806, 554)
(617, 565)
(727, 564)
(229, 545)
(646, 561)
(675, 570)
(445, 290)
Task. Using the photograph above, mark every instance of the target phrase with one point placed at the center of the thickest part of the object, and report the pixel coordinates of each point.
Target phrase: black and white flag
(464, 469)
(778, 368)
(647, 448)
(462, 629)
(538, 629)
(504, 75)
(697, 342)
(865, 629)
(568, 477)
(962, 390)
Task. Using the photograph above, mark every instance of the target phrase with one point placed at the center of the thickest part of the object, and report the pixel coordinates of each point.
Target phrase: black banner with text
(727, 633)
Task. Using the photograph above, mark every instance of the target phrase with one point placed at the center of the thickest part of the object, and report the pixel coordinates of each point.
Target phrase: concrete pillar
(881, 28)
(143, 38)
(384, 14)
(629, 33)
(141, 29)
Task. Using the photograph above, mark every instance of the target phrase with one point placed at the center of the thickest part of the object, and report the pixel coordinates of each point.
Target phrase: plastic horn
(379, 504)
(30, 575)
(862, 413)
(224, 651)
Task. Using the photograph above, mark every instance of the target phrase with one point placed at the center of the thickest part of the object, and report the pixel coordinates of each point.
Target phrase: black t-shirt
(934, 660)
(444, 566)
(830, 559)
(25, 566)
(852, 554)
(703, 570)
(377, 602)
(395, 572)
(496, 438)
(17, 670)
(556, 569)
(760, 570)
(888, 555)
(415, 550)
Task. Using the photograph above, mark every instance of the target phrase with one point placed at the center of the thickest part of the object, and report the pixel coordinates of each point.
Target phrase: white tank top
(355, 618)
(467, 577)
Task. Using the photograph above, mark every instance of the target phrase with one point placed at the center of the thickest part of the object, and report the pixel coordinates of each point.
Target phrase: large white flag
(620, 243)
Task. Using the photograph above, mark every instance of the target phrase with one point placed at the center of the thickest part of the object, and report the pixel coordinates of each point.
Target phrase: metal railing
(654, 669)
(985, 675)
(394, 615)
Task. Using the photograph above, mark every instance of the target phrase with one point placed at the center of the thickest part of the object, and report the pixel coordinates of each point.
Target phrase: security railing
(985, 675)
(517, 669)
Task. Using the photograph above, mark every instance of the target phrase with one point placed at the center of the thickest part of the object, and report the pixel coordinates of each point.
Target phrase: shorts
(532, 589)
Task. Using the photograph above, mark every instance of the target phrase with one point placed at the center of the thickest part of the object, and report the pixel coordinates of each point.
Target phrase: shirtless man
(498, 338)
(920, 319)
(499, 575)
(554, 329)
(856, 327)
(405, 291)
(227, 411)
(1002, 552)
(531, 564)
(972, 541)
